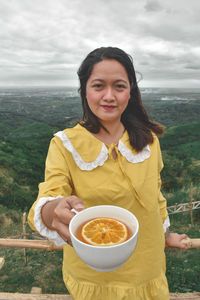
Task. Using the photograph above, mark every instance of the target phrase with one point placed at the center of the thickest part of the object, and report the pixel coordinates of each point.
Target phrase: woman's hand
(57, 214)
(174, 241)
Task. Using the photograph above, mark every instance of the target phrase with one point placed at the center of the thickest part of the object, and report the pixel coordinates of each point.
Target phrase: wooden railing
(49, 246)
(17, 296)
(182, 207)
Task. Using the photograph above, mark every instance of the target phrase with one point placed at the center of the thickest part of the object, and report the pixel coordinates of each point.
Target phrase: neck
(115, 132)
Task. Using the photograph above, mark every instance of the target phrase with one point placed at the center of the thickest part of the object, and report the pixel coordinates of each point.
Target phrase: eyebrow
(101, 80)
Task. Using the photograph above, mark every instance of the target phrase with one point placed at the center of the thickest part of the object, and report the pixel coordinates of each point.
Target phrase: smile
(108, 107)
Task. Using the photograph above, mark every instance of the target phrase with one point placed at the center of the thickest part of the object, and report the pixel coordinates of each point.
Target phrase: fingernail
(79, 205)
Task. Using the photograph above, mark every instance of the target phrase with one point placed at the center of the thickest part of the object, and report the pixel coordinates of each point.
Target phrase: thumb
(79, 206)
(185, 241)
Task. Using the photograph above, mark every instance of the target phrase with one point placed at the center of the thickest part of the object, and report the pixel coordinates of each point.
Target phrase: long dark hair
(134, 118)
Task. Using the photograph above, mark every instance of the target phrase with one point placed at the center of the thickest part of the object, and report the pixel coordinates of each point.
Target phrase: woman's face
(108, 90)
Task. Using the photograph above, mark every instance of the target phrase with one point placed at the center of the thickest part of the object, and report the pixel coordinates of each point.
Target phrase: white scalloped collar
(88, 152)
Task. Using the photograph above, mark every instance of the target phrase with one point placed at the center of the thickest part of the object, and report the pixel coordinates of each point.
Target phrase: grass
(43, 268)
(183, 266)
(183, 270)
(26, 128)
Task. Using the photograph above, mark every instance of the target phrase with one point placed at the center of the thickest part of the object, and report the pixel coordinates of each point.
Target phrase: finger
(62, 230)
(74, 202)
(184, 239)
(185, 246)
(185, 243)
(63, 209)
(63, 214)
(185, 236)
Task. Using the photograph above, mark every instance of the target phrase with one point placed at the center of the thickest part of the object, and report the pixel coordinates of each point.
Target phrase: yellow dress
(78, 163)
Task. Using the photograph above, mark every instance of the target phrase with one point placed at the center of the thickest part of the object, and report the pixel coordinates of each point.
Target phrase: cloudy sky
(42, 43)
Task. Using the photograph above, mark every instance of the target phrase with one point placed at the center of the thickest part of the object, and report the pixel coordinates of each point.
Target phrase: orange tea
(103, 231)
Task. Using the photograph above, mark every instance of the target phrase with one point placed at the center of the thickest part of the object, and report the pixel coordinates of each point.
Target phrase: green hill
(23, 151)
(180, 148)
(24, 140)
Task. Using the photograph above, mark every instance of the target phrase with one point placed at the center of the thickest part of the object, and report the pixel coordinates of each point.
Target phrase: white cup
(104, 258)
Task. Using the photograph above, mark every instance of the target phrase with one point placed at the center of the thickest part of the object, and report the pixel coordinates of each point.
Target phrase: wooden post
(24, 232)
(36, 290)
(2, 262)
(31, 244)
(191, 243)
(191, 200)
(19, 296)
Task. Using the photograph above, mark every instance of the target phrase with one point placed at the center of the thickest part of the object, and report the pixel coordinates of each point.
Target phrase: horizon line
(76, 87)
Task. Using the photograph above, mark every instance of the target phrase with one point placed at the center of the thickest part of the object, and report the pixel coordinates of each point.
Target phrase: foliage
(43, 268)
(183, 267)
(26, 126)
(181, 156)
(40, 269)
(22, 157)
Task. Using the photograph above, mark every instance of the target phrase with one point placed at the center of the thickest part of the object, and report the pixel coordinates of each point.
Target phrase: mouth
(108, 107)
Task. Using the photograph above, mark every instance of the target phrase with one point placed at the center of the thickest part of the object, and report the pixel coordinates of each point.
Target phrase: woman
(112, 157)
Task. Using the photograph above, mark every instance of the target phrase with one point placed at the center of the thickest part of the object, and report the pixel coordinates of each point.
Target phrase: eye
(120, 86)
(97, 86)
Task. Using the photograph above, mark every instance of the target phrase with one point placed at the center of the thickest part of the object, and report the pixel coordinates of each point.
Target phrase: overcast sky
(42, 42)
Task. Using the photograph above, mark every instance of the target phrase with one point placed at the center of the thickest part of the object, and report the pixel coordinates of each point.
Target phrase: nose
(109, 94)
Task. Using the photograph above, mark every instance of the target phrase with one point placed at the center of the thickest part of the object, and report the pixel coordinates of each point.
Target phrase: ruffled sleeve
(57, 184)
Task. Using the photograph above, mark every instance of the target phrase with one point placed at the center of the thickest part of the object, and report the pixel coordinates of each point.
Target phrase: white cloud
(45, 41)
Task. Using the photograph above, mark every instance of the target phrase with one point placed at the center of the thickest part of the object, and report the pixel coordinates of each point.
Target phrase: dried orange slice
(104, 232)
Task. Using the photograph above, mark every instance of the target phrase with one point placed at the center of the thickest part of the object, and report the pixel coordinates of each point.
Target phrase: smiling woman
(134, 117)
(112, 157)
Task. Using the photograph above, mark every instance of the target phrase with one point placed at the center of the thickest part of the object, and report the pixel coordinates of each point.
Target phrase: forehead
(109, 68)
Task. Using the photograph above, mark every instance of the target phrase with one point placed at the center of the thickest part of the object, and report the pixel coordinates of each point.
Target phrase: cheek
(125, 99)
(93, 96)
(92, 100)
(90, 97)
(127, 95)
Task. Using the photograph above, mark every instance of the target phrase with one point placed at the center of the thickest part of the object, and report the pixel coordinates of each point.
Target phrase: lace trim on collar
(99, 161)
(103, 156)
(141, 156)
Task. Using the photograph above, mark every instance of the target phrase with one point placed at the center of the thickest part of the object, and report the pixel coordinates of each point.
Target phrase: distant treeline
(23, 153)
(26, 130)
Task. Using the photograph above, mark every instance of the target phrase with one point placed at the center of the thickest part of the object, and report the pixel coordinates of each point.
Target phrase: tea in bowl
(104, 236)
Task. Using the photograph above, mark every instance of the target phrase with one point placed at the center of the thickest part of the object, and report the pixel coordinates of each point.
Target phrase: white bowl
(104, 258)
